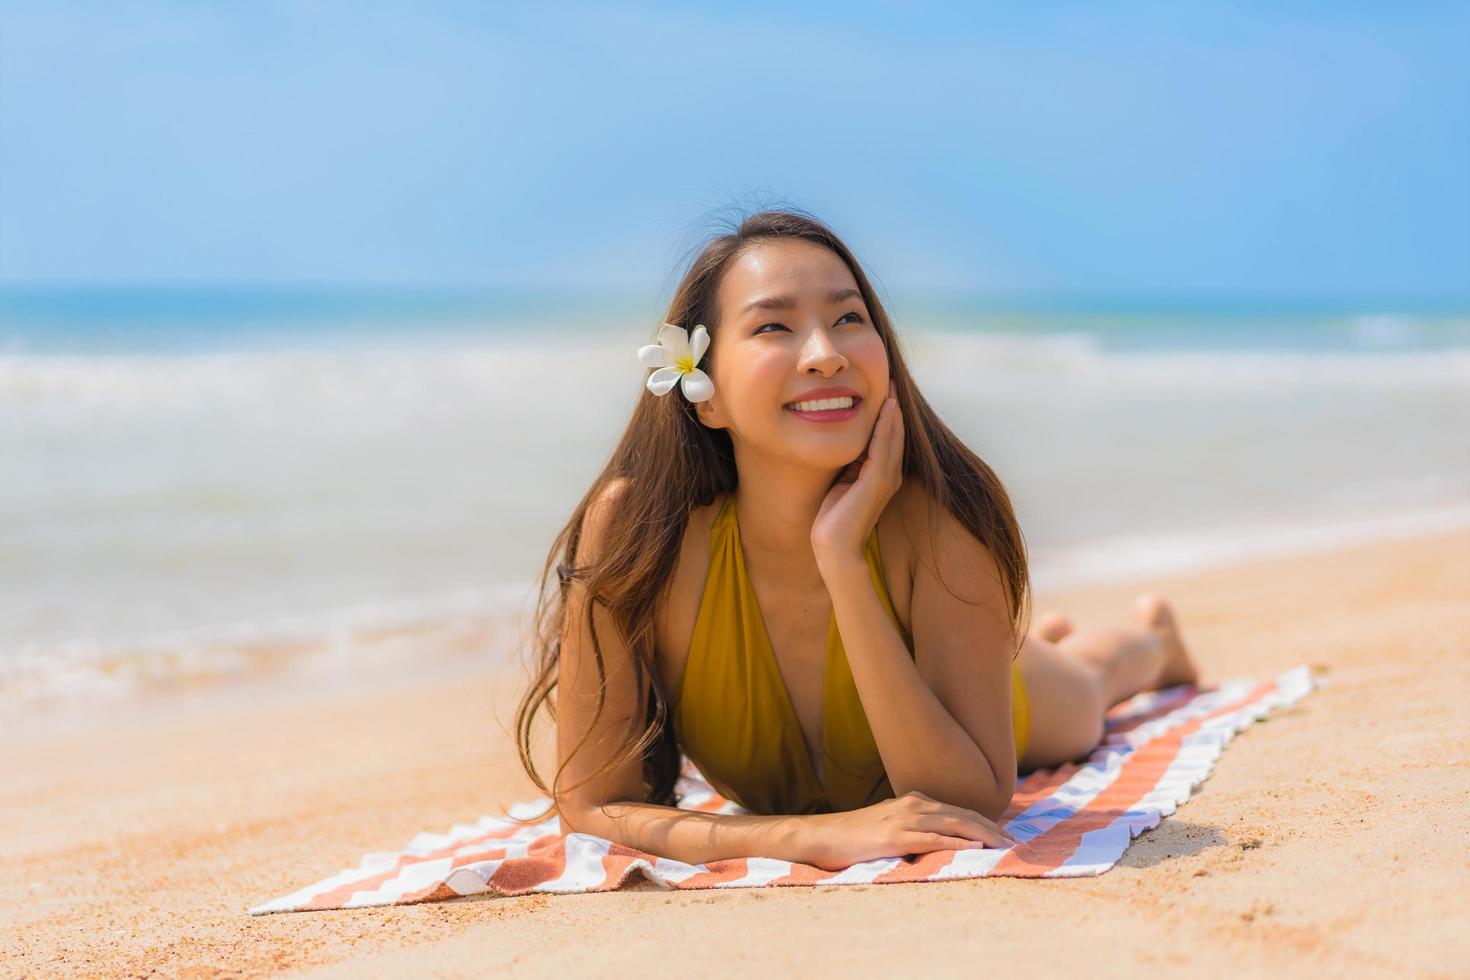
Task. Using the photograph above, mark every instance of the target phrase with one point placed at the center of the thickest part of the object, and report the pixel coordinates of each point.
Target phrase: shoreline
(237, 657)
(139, 841)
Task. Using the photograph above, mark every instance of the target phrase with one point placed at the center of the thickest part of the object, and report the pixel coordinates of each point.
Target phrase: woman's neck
(775, 505)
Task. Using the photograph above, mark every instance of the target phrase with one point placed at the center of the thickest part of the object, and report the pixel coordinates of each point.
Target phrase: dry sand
(1332, 838)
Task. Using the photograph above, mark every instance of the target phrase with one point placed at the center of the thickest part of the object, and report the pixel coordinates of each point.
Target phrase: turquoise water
(201, 318)
(187, 472)
(161, 320)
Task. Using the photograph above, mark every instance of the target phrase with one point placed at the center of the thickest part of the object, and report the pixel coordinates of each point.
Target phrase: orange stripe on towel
(730, 869)
(1148, 777)
(1140, 773)
(1038, 786)
(545, 860)
(339, 896)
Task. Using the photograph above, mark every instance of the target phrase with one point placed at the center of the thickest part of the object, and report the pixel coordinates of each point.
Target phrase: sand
(1331, 838)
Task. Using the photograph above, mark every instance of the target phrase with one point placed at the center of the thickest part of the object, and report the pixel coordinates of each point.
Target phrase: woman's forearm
(694, 837)
(922, 746)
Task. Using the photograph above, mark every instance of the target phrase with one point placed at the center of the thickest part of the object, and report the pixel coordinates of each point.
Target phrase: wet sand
(1331, 838)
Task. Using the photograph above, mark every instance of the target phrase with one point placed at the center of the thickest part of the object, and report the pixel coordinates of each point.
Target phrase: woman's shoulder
(912, 531)
(606, 502)
(912, 508)
(917, 522)
(597, 516)
(908, 513)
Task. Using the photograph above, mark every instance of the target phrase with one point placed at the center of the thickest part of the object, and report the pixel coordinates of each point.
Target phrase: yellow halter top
(734, 718)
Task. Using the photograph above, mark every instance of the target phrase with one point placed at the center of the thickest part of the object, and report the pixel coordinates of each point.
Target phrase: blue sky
(1128, 149)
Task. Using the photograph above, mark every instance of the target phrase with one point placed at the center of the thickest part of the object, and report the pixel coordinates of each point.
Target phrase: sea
(194, 479)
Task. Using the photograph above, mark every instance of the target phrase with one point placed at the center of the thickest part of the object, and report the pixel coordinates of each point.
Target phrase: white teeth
(823, 404)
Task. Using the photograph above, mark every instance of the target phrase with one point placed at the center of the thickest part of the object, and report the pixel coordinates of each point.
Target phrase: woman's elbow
(587, 817)
(990, 800)
(579, 817)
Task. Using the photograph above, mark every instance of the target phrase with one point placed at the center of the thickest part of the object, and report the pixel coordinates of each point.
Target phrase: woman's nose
(820, 354)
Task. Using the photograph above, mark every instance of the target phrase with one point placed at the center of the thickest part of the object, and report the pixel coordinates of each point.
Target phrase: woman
(793, 572)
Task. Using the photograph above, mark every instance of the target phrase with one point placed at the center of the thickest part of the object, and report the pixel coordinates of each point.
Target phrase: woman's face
(792, 323)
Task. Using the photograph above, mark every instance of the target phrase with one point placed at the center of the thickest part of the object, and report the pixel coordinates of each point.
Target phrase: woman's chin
(830, 454)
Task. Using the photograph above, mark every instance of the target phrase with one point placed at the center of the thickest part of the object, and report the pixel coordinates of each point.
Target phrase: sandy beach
(1331, 838)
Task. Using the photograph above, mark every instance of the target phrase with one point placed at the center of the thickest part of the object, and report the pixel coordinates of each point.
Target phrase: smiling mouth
(825, 409)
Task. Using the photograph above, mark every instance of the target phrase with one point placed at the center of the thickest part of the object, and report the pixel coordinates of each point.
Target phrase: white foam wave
(331, 642)
(159, 513)
(1082, 358)
(1163, 552)
(40, 385)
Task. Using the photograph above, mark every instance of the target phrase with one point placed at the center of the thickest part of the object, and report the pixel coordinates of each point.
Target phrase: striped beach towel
(1073, 821)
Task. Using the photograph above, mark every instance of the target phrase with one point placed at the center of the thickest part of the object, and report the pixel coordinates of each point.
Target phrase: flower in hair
(675, 355)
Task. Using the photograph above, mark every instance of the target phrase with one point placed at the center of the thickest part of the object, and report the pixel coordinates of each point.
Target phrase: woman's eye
(857, 318)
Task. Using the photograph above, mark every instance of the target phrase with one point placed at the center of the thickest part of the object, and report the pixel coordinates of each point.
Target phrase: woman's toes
(1152, 611)
(1052, 626)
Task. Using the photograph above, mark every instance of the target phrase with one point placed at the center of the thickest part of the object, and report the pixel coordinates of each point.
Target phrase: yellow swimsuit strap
(734, 715)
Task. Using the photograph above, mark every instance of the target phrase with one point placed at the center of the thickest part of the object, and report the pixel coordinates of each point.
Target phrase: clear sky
(1131, 148)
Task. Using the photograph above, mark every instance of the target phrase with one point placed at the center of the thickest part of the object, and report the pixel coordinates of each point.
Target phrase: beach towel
(1073, 821)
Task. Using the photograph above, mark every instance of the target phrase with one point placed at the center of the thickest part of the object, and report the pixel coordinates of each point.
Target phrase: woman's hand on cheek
(852, 505)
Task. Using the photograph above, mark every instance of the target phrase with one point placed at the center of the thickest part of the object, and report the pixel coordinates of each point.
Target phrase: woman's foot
(1052, 626)
(1153, 612)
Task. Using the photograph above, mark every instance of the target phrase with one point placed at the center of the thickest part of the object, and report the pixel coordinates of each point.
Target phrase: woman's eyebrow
(789, 302)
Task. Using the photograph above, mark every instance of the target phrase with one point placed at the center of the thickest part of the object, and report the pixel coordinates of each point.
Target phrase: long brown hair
(672, 463)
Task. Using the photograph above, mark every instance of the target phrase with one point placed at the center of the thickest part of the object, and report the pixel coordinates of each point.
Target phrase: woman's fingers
(958, 820)
(878, 443)
(920, 842)
(893, 438)
(994, 836)
(878, 457)
(898, 436)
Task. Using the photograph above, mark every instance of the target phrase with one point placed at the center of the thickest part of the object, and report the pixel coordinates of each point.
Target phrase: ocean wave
(1168, 551)
(338, 642)
(146, 492)
(432, 381)
(1083, 358)
(491, 625)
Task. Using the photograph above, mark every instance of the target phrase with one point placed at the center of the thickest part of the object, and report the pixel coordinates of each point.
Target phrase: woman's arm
(611, 805)
(939, 718)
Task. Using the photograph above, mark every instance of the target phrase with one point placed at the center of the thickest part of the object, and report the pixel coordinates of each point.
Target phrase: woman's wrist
(798, 837)
(841, 570)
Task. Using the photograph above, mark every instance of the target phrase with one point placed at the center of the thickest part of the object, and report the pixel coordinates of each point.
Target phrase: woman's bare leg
(1052, 626)
(1123, 659)
(1127, 659)
(1154, 612)
(1073, 680)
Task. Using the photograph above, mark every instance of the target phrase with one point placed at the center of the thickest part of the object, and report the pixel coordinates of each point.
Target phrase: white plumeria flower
(675, 355)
